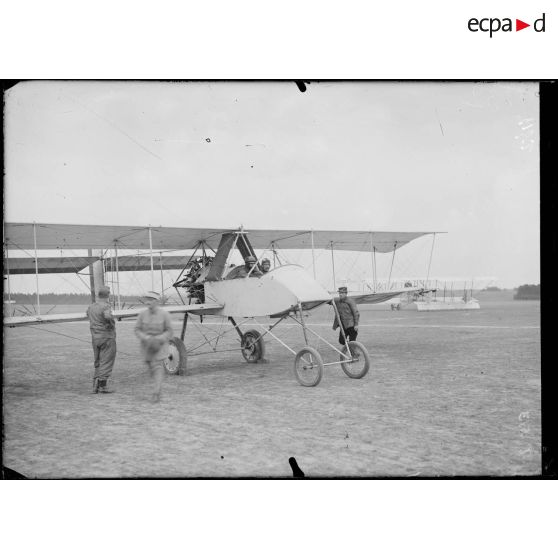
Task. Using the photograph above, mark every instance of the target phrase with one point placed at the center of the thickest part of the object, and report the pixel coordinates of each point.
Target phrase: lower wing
(377, 297)
(118, 314)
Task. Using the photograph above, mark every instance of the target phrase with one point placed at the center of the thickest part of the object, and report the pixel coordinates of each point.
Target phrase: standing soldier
(103, 336)
(154, 330)
(349, 314)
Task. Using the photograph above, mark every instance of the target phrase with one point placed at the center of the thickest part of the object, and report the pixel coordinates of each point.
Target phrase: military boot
(95, 385)
(103, 387)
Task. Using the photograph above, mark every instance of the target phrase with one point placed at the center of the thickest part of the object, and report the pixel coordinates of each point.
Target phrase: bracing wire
(88, 342)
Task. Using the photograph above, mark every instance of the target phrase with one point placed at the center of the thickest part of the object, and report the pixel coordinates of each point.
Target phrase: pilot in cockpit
(265, 266)
(243, 270)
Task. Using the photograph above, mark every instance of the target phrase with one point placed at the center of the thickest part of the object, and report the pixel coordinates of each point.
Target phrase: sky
(462, 158)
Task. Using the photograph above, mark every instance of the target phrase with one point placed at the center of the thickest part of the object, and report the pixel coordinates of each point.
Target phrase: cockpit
(220, 267)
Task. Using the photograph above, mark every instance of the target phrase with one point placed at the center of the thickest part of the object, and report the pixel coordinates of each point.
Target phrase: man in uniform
(154, 330)
(103, 337)
(349, 314)
(243, 270)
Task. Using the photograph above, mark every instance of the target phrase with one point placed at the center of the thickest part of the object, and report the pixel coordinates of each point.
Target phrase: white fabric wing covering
(52, 236)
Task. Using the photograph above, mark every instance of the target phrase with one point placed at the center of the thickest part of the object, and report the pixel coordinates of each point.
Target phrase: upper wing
(60, 236)
(26, 236)
(207, 308)
(358, 241)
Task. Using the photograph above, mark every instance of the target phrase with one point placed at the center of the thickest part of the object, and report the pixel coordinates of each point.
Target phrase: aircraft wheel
(308, 367)
(175, 363)
(252, 346)
(360, 365)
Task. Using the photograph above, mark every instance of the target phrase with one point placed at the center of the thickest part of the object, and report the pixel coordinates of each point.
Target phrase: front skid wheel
(252, 346)
(308, 367)
(175, 363)
(360, 364)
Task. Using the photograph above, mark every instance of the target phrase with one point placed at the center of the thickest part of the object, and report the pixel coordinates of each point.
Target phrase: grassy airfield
(448, 393)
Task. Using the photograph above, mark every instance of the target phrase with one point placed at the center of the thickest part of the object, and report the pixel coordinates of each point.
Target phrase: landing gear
(252, 346)
(308, 367)
(308, 363)
(359, 365)
(175, 363)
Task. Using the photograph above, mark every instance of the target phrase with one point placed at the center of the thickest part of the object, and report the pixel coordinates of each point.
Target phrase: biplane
(204, 287)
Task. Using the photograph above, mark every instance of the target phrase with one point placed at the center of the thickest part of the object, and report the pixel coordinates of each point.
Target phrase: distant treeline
(63, 298)
(528, 292)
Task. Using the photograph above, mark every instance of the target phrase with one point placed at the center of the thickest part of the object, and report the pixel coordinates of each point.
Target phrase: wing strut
(313, 259)
(333, 266)
(7, 262)
(36, 268)
(373, 256)
(391, 267)
(151, 256)
(161, 265)
(117, 276)
(430, 260)
(91, 276)
(276, 257)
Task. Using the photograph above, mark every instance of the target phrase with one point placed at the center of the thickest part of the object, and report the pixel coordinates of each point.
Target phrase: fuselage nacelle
(276, 292)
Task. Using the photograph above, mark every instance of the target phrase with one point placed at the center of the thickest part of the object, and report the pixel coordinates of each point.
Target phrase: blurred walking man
(349, 315)
(154, 330)
(103, 337)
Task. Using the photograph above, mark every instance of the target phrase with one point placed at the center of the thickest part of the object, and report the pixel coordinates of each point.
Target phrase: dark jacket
(101, 321)
(348, 312)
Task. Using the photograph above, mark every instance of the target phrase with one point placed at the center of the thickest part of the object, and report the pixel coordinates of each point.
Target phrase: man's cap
(104, 292)
(250, 259)
(151, 294)
(342, 289)
(265, 260)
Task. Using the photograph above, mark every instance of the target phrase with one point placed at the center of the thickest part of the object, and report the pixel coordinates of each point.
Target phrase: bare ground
(448, 393)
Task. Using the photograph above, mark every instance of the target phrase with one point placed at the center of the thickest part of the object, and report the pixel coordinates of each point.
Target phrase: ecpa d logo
(492, 25)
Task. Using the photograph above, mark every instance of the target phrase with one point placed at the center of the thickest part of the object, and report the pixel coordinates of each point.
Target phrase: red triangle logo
(519, 25)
